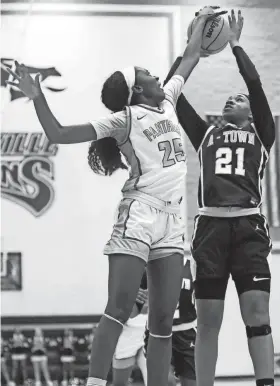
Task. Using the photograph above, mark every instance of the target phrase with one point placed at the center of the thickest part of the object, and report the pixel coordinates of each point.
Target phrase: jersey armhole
(128, 127)
(210, 128)
(261, 142)
(169, 99)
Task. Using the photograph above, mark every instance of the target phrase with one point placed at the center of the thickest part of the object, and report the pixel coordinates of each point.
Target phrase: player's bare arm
(261, 112)
(191, 55)
(55, 132)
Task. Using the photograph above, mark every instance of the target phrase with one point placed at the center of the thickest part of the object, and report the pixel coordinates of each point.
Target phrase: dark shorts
(182, 352)
(236, 246)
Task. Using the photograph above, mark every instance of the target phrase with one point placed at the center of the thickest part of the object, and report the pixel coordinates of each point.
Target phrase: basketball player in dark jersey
(183, 333)
(231, 236)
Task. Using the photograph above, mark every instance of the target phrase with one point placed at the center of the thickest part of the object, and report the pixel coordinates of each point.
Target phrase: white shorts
(145, 231)
(131, 339)
(126, 363)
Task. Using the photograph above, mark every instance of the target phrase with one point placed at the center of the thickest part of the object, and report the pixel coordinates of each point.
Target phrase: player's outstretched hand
(24, 82)
(209, 12)
(236, 26)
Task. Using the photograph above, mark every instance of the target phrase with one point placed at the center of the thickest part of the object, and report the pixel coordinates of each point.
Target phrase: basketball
(215, 35)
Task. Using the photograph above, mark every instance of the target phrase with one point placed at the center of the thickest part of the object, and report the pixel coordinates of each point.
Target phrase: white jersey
(151, 141)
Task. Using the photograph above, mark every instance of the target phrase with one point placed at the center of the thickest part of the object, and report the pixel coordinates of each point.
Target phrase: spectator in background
(4, 369)
(19, 355)
(67, 357)
(89, 340)
(39, 358)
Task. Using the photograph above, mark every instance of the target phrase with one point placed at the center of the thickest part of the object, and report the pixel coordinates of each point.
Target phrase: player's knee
(160, 324)
(118, 310)
(257, 314)
(255, 308)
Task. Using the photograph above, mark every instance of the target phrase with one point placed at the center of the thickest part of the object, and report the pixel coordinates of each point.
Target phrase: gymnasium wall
(56, 214)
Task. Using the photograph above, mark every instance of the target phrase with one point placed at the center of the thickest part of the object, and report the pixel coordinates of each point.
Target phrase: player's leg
(122, 369)
(128, 251)
(210, 249)
(171, 375)
(183, 343)
(252, 279)
(164, 284)
(125, 273)
(142, 364)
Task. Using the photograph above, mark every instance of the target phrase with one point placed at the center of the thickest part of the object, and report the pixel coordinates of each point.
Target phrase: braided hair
(104, 156)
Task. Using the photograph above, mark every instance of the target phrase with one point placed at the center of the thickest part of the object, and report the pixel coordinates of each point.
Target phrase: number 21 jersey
(232, 163)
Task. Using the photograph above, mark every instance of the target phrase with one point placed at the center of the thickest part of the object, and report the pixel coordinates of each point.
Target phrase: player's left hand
(235, 25)
(142, 296)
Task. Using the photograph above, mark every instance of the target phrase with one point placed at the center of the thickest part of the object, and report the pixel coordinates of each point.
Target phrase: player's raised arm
(55, 132)
(193, 125)
(191, 55)
(261, 112)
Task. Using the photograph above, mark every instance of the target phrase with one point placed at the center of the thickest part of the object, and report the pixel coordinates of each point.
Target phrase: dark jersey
(232, 160)
(232, 163)
(185, 312)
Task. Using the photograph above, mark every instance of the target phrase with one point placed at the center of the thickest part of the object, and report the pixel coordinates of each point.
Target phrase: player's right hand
(24, 82)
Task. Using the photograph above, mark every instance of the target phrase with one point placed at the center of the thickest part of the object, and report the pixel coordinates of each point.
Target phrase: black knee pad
(253, 331)
(211, 288)
(252, 282)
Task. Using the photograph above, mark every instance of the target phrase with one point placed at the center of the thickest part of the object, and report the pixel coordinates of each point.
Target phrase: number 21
(224, 157)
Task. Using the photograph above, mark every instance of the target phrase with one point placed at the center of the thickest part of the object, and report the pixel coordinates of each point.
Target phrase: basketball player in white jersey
(149, 229)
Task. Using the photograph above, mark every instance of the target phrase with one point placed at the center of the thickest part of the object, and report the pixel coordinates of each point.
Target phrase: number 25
(224, 157)
(179, 154)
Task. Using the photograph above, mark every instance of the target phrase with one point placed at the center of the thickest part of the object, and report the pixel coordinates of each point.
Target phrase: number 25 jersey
(232, 163)
(150, 139)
